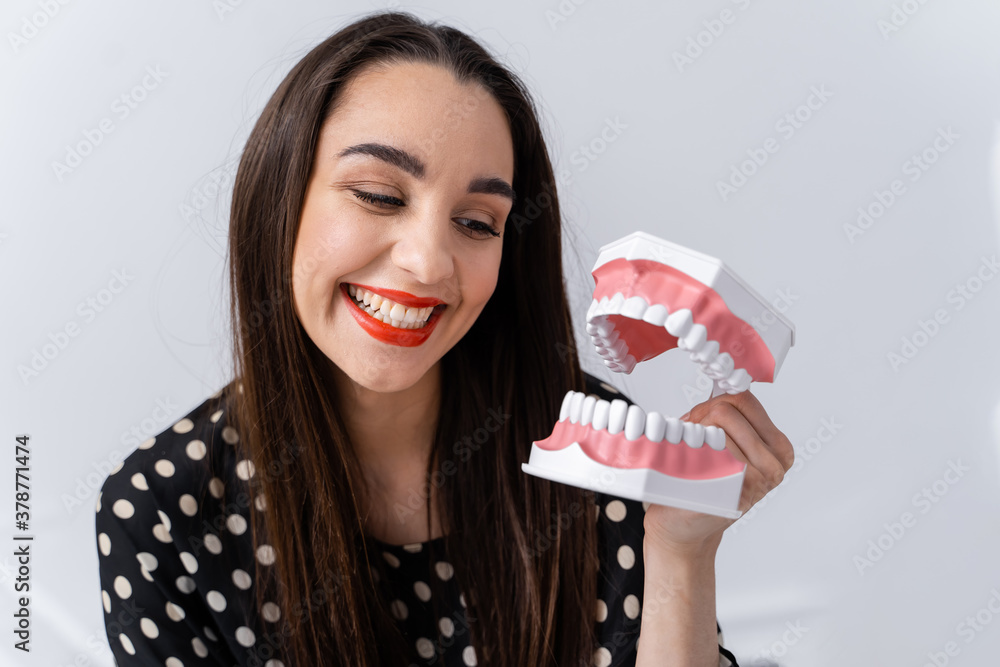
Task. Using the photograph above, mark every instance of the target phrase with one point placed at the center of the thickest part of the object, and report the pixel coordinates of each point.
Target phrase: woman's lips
(387, 333)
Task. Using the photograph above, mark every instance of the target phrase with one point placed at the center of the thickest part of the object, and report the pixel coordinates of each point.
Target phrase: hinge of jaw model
(651, 296)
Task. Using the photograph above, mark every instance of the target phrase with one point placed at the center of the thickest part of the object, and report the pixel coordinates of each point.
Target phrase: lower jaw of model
(652, 296)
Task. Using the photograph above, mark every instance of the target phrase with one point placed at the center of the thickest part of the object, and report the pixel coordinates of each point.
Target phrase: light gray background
(146, 201)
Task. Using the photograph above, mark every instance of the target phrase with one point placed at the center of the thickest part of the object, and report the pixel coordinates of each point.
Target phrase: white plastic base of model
(571, 465)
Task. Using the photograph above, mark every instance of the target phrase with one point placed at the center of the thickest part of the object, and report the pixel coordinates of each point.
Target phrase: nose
(424, 250)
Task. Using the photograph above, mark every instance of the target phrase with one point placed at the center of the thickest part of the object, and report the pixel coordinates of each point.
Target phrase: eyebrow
(490, 185)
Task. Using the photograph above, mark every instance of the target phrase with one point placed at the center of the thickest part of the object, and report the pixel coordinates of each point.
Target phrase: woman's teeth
(390, 312)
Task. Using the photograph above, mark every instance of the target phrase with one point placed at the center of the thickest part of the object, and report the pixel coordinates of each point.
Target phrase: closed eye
(387, 201)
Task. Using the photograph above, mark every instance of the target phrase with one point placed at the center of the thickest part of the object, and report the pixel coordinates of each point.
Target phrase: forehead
(422, 109)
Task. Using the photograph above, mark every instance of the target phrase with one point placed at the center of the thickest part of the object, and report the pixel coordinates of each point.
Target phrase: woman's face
(412, 172)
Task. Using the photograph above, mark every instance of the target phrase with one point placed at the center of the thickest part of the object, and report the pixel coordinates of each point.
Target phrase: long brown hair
(524, 549)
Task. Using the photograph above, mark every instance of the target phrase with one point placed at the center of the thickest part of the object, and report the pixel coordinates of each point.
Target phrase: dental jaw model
(651, 296)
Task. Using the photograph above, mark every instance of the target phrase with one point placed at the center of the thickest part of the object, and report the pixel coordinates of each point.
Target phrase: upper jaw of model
(650, 296)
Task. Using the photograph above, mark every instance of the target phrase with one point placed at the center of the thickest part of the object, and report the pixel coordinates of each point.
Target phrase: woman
(354, 495)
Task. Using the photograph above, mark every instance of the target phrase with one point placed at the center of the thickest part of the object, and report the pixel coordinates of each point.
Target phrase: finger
(757, 416)
(744, 442)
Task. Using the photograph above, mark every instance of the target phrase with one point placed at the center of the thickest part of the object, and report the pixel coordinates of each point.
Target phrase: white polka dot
(597, 512)
(147, 560)
(422, 590)
(245, 636)
(122, 587)
(210, 634)
(645, 506)
(164, 468)
(97, 505)
(183, 426)
(274, 663)
(242, 579)
(173, 662)
(390, 558)
(107, 601)
(399, 610)
(196, 450)
(626, 557)
(245, 469)
(188, 504)
(118, 466)
(175, 613)
(265, 554)
(215, 416)
(236, 524)
(461, 599)
(216, 600)
(260, 502)
(185, 584)
(271, 612)
(104, 544)
(447, 626)
(199, 647)
(425, 647)
(602, 611)
(444, 570)
(162, 533)
(414, 548)
(602, 657)
(631, 606)
(146, 444)
(123, 509)
(139, 482)
(615, 510)
(189, 562)
(149, 628)
(469, 656)
(213, 544)
(609, 388)
(230, 435)
(216, 487)
(127, 644)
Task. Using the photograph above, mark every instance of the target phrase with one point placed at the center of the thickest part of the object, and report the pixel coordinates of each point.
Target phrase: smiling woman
(354, 495)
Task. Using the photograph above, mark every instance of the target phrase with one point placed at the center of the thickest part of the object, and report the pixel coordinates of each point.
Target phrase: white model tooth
(616, 416)
(627, 364)
(715, 438)
(616, 303)
(694, 434)
(694, 339)
(575, 406)
(602, 306)
(587, 411)
(600, 420)
(608, 340)
(679, 322)
(635, 422)
(707, 354)
(634, 307)
(591, 327)
(591, 312)
(655, 314)
(564, 410)
(656, 426)
(674, 430)
(604, 326)
(722, 366)
(739, 379)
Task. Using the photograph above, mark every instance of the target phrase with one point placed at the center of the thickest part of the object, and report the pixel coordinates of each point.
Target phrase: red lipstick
(387, 333)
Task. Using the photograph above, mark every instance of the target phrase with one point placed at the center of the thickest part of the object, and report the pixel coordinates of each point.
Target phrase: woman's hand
(752, 438)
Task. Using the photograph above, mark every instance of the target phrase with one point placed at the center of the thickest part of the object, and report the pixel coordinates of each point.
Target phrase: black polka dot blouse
(176, 562)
